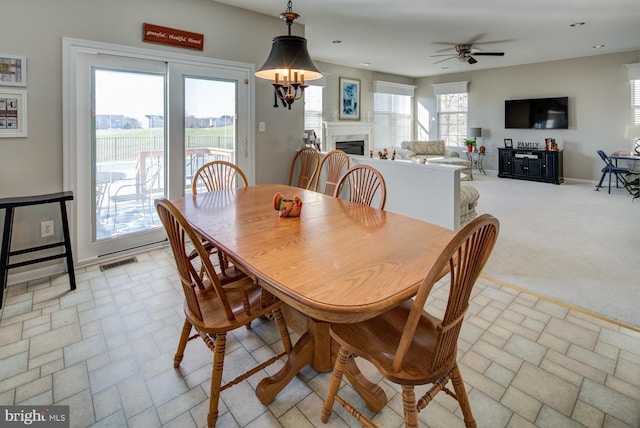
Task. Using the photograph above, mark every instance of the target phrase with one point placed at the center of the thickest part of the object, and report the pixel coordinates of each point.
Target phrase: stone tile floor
(106, 349)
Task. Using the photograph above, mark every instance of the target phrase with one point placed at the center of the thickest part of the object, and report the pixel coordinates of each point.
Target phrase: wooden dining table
(338, 262)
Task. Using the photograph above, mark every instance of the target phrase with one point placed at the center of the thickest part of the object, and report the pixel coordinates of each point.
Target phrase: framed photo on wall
(13, 70)
(508, 143)
(13, 113)
(349, 99)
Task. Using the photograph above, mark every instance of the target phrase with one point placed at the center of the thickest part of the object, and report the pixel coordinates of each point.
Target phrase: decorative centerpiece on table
(287, 207)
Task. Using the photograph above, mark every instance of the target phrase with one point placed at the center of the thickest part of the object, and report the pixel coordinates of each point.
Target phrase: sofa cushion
(469, 196)
(428, 148)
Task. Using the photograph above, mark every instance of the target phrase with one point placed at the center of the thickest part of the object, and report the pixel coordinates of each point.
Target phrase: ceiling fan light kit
(289, 64)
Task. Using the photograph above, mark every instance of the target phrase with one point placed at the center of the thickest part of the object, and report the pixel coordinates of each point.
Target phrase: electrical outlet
(46, 228)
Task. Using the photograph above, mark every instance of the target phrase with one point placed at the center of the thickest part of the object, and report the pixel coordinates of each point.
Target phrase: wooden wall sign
(171, 36)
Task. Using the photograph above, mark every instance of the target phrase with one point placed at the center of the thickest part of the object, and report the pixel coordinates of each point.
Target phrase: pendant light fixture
(289, 64)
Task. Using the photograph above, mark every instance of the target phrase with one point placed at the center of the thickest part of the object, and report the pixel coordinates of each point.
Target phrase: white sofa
(419, 150)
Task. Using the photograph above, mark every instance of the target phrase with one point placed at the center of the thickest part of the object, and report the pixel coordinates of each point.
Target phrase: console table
(10, 204)
(534, 165)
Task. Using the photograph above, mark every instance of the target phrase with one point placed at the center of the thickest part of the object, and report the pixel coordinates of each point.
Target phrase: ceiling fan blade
(443, 60)
(442, 55)
(472, 60)
(489, 53)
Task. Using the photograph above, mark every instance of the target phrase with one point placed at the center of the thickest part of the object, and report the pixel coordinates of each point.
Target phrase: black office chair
(609, 168)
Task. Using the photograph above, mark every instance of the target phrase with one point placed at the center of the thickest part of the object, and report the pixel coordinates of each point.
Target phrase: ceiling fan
(465, 52)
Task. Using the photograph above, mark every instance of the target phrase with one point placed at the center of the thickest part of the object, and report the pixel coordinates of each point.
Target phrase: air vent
(123, 262)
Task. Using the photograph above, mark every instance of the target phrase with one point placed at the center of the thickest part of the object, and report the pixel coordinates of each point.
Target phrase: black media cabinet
(533, 165)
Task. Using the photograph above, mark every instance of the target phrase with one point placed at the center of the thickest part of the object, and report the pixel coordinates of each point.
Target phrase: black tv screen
(537, 113)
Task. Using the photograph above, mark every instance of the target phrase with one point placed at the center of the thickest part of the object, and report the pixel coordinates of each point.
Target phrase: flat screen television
(537, 113)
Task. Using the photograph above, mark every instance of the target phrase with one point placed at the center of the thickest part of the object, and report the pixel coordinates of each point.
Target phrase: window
(313, 109)
(633, 71)
(452, 108)
(635, 101)
(452, 118)
(392, 114)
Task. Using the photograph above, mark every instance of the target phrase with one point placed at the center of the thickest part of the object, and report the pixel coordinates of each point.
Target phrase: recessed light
(598, 46)
(337, 42)
(577, 24)
(365, 64)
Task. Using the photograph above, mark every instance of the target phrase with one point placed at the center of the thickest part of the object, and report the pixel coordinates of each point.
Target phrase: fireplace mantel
(347, 131)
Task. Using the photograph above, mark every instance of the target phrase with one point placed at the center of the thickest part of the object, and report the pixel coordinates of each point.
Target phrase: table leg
(314, 349)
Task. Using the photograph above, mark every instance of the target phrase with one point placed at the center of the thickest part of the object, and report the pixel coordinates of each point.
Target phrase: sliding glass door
(140, 130)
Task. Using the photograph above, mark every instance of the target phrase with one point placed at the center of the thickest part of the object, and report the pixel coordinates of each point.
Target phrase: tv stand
(533, 165)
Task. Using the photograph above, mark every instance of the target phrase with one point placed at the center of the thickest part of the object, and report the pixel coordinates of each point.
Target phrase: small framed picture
(13, 113)
(508, 143)
(349, 99)
(13, 70)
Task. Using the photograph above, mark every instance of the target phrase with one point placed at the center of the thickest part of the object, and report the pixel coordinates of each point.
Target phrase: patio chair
(138, 189)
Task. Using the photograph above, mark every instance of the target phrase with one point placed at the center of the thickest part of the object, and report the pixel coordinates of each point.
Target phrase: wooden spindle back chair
(336, 162)
(305, 161)
(412, 347)
(218, 175)
(211, 177)
(213, 308)
(362, 184)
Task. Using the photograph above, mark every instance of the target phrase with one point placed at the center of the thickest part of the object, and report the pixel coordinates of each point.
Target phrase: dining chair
(218, 175)
(408, 345)
(211, 177)
(214, 309)
(362, 184)
(305, 162)
(609, 168)
(336, 162)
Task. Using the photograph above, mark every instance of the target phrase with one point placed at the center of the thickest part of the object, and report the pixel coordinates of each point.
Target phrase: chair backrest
(218, 175)
(604, 157)
(308, 159)
(182, 237)
(463, 258)
(336, 161)
(363, 183)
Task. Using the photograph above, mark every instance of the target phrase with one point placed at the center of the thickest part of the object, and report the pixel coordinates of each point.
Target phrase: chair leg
(334, 384)
(601, 180)
(409, 404)
(184, 338)
(463, 399)
(216, 378)
(282, 328)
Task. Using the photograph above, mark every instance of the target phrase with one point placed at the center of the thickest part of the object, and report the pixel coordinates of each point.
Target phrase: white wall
(599, 106)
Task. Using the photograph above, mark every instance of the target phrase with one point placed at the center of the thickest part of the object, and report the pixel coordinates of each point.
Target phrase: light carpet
(566, 242)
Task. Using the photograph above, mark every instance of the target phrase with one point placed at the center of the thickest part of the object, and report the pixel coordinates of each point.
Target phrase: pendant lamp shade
(288, 53)
(288, 64)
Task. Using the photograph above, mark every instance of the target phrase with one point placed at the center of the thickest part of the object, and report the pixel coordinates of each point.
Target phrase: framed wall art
(349, 99)
(13, 113)
(13, 70)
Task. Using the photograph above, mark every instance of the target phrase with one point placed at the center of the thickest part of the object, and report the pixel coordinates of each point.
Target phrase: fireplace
(339, 133)
(351, 147)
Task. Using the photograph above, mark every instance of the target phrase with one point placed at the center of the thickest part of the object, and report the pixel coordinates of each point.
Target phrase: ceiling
(399, 37)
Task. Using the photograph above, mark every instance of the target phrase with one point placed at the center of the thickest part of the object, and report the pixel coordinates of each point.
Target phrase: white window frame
(390, 127)
(313, 98)
(447, 90)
